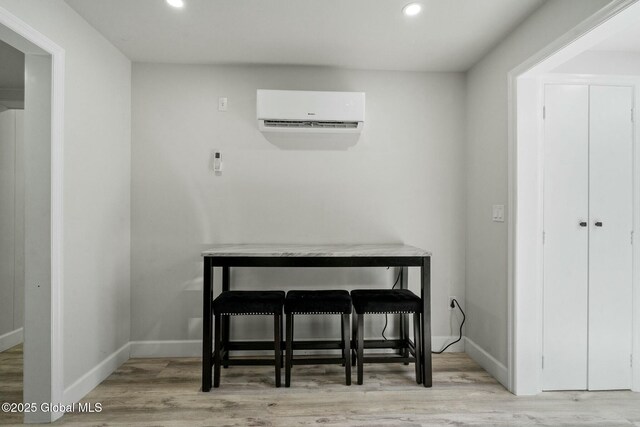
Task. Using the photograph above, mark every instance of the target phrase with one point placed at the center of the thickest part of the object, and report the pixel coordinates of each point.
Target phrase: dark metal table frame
(227, 262)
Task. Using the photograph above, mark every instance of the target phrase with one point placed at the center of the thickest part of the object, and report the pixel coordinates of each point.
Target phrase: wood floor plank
(165, 392)
(11, 382)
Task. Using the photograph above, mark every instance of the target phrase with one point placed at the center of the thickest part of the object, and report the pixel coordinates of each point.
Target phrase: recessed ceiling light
(412, 9)
(176, 3)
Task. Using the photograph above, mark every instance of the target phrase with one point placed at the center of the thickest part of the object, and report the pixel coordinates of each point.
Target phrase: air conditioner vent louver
(294, 113)
(299, 124)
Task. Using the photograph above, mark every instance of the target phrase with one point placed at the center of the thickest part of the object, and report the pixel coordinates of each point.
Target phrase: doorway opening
(592, 65)
(34, 251)
(11, 225)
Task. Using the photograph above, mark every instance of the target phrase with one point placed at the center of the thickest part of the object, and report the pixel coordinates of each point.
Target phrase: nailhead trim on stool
(247, 303)
(387, 301)
(312, 302)
(319, 302)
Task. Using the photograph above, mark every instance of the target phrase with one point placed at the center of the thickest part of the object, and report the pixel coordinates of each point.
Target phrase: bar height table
(247, 255)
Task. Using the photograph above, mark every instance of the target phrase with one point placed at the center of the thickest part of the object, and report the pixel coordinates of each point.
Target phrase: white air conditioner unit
(293, 111)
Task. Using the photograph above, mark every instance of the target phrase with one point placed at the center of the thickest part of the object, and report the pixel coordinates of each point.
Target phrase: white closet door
(610, 249)
(566, 163)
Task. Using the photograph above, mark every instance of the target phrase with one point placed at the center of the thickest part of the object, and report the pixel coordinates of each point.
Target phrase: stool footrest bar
(317, 345)
(318, 361)
(251, 362)
(387, 359)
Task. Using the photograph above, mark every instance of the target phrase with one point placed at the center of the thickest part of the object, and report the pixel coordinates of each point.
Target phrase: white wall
(11, 227)
(96, 185)
(486, 288)
(7, 221)
(603, 63)
(402, 182)
(38, 343)
(19, 242)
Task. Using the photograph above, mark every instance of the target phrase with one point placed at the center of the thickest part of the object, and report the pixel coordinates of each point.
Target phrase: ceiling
(449, 35)
(627, 40)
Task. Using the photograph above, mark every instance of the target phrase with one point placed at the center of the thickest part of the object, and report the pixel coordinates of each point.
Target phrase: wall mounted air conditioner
(293, 111)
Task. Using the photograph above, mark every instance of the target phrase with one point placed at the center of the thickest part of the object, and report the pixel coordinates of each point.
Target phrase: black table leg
(226, 327)
(354, 342)
(425, 291)
(277, 342)
(346, 351)
(418, 347)
(360, 350)
(289, 351)
(207, 298)
(404, 325)
(342, 338)
(217, 326)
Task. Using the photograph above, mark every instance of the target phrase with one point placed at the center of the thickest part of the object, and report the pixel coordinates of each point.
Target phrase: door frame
(28, 39)
(524, 235)
(603, 80)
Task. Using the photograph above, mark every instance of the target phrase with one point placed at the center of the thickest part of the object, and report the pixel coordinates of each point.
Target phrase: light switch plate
(216, 162)
(222, 104)
(498, 213)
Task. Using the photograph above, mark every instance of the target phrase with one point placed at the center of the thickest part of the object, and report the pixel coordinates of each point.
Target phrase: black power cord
(454, 303)
(386, 316)
(461, 325)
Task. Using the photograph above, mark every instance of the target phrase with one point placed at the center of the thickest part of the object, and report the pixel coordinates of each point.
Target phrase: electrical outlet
(452, 305)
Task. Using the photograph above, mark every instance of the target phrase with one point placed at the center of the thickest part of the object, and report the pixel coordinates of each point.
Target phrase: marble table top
(275, 250)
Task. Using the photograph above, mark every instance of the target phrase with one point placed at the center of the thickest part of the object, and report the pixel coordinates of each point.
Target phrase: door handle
(598, 224)
(583, 223)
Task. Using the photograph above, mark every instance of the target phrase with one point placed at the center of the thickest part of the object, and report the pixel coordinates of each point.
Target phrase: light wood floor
(165, 392)
(11, 381)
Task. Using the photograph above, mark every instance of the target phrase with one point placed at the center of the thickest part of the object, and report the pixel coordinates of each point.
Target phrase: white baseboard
(11, 339)
(487, 362)
(438, 343)
(178, 348)
(193, 348)
(95, 376)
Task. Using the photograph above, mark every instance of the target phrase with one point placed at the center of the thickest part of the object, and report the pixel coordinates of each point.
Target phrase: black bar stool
(387, 301)
(318, 302)
(242, 303)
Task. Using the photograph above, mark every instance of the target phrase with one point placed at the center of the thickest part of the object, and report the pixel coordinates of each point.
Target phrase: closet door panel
(566, 241)
(610, 249)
